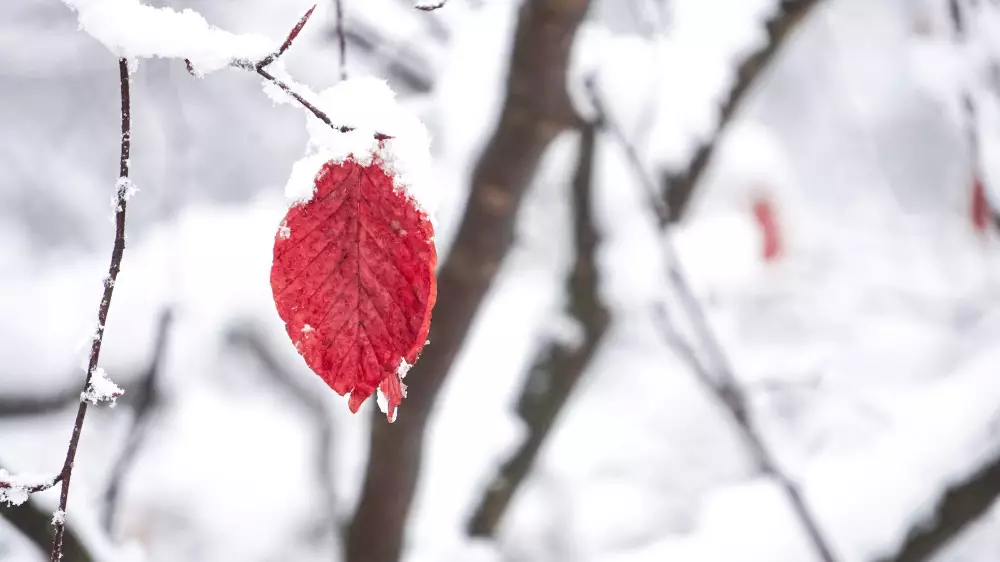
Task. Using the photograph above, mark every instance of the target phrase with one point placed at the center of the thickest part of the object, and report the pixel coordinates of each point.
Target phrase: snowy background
(868, 349)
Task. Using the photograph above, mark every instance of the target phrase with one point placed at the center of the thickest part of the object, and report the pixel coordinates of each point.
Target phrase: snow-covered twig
(65, 474)
(677, 187)
(102, 315)
(145, 403)
(261, 67)
(557, 367)
(289, 39)
(716, 374)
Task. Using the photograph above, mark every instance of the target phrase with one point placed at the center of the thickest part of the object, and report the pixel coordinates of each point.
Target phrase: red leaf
(767, 221)
(353, 279)
(980, 206)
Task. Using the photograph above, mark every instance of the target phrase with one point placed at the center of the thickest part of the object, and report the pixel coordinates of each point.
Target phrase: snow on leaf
(353, 279)
(101, 389)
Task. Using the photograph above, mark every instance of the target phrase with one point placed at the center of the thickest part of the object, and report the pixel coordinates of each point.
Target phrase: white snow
(132, 29)
(383, 404)
(869, 354)
(403, 368)
(101, 389)
(369, 107)
(17, 491)
(58, 517)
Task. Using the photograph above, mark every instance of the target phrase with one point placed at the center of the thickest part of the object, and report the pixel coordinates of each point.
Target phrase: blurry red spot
(767, 221)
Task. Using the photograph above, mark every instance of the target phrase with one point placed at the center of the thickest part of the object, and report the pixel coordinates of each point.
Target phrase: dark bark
(536, 108)
(36, 525)
(961, 505)
(558, 366)
(678, 187)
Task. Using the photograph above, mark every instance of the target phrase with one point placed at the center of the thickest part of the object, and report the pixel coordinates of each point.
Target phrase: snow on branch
(131, 29)
(101, 389)
(714, 370)
(677, 187)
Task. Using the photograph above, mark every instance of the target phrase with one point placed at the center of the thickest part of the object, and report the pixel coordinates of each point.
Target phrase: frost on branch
(101, 389)
(16, 489)
(131, 29)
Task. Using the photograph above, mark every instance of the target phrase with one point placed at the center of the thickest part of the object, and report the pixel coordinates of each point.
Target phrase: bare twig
(558, 366)
(717, 376)
(117, 251)
(430, 7)
(536, 108)
(677, 188)
(260, 67)
(251, 340)
(341, 39)
(145, 403)
(290, 38)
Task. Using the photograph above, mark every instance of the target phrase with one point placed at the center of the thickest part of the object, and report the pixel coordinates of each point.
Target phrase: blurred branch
(961, 505)
(146, 401)
(402, 61)
(431, 6)
(11, 406)
(341, 39)
(714, 372)
(559, 365)
(961, 36)
(535, 110)
(35, 524)
(256, 344)
(678, 187)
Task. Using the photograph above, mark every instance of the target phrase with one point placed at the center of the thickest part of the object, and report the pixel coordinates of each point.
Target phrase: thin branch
(559, 366)
(118, 250)
(430, 7)
(677, 188)
(146, 402)
(34, 488)
(289, 39)
(341, 39)
(536, 108)
(260, 67)
(717, 376)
